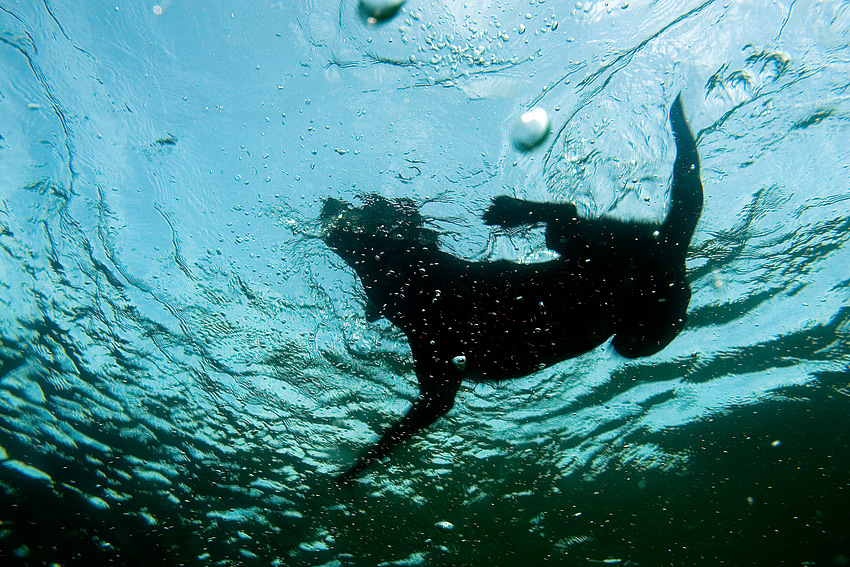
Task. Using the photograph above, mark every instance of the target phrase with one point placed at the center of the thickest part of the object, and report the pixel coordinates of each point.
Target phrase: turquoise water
(184, 365)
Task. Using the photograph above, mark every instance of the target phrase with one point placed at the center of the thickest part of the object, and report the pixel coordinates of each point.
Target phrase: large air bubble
(380, 10)
(531, 129)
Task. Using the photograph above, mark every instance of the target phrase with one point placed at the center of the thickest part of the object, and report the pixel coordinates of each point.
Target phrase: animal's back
(508, 319)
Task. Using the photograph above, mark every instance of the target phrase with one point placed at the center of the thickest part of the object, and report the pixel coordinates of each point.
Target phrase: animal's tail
(686, 194)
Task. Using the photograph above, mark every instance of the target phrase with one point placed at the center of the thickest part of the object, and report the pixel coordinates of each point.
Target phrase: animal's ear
(333, 207)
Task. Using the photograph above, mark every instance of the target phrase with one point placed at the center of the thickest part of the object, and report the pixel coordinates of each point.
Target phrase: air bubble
(377, 10)
(531, 129)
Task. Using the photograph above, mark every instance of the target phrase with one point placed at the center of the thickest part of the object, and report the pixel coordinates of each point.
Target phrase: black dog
(498, 320)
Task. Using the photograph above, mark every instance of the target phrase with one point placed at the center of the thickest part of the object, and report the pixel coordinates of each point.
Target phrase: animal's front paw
(507, 212)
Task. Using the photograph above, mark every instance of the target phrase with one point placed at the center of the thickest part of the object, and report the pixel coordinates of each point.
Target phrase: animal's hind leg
(431, 404)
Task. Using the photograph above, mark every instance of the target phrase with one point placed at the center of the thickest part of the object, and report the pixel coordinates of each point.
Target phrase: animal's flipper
(426, 409)
(686, 195)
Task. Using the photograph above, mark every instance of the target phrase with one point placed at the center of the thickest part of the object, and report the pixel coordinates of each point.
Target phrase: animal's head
(380, 224)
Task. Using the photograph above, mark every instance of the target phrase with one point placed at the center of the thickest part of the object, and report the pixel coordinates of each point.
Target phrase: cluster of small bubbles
(474, 45)
(718, 281)
(581, 9)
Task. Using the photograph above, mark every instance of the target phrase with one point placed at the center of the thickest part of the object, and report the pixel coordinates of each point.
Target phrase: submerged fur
(500, 320)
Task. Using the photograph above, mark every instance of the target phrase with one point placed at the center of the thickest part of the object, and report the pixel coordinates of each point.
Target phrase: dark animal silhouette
(498, 320)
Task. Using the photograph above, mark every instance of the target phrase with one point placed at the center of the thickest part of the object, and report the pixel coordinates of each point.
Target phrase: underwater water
(185, 366)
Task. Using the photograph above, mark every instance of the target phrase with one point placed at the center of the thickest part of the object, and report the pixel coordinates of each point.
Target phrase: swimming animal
(496, 320)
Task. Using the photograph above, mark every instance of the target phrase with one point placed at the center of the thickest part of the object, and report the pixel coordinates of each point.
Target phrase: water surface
(184, 366)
